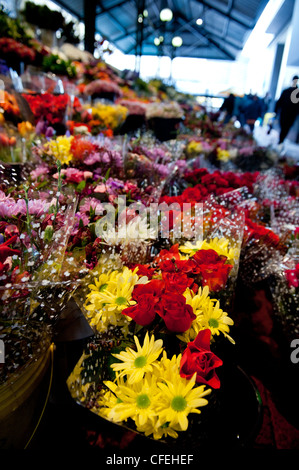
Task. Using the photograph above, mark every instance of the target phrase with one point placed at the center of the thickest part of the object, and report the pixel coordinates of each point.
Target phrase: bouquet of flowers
(284, 282)
(51, 109)
(15, 52)
(98, 88)
(103, 116)
(166, 110)
(34, 231)
(151, 365)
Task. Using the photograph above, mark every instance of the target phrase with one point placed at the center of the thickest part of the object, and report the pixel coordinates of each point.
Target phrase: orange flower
(25, 128)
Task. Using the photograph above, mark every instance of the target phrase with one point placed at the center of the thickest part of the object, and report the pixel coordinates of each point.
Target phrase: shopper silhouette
(288, 109)
(228, 107)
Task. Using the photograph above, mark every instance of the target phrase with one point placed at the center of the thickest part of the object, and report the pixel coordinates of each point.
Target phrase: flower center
(178, 403)
(140, 361)
(213, 323)
(143, 401)
(103, 287)
(121, 301)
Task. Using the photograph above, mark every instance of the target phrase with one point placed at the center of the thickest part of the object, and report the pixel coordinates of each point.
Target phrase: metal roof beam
(112, 7)
(226, 14)
(69, 9)
(202, 32)
(113, 19)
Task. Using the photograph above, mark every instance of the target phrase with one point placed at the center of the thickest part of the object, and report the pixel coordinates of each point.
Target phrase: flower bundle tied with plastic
(151, 366)
(34, 231)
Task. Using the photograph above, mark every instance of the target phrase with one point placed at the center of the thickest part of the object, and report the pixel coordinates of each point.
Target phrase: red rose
(143, 313)
(213, 269)
(155, 288)
(144, 270)
(199, 358)
(176, 282)
(176, 314)
(172, 254)
(147, 297)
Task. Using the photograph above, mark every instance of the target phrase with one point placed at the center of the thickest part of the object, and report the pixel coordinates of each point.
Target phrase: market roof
(224, 30)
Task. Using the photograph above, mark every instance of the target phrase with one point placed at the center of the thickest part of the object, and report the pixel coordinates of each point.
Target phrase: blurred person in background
(288, 109)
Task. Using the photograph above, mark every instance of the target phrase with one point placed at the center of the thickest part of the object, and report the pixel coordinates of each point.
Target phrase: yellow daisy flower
(208, 313)
(216, 320)
(178, 399)
(109, 296)
(137, 402)
(220, 245)
(136, 363)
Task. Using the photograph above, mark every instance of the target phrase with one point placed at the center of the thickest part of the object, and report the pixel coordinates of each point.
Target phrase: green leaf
(81, 186)
(107, 174)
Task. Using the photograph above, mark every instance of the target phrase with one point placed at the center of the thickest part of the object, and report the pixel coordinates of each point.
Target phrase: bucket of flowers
(34, 231)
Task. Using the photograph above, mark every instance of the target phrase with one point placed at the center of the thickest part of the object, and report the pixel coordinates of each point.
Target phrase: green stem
(58, 163)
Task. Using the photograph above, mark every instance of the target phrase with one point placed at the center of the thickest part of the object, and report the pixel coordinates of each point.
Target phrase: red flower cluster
(12, 49)
(154, 299)
(198, 358)
(219, 182)
(254, 232)
(50, 107)
(164, 297)
(81, 148)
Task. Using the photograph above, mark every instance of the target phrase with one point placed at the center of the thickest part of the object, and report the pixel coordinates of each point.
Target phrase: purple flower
(92, 159)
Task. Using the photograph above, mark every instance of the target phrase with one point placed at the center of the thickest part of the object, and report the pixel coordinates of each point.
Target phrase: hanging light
(157, 41)
(177, 41)
(166, 14)
(199, 21)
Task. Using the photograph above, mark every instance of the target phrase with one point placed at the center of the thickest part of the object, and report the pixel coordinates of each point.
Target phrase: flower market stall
(149, 265)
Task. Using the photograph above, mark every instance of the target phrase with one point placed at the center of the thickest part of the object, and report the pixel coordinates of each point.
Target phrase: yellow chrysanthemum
(194, 148)
(108, 400)
(208, 313)
(223, 155)
(110, 116)
(136, 363)
(216, 320)
(220, 245)
(109, 296)
(60, 148)
(136, 401)
(168, 368)
(178, 399)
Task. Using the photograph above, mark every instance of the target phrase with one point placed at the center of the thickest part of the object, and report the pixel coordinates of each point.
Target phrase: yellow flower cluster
(223, 155)
(194, 148)
(60, 148)
(220, 245)
(151, 392)
(110, 116)
(208, 313)
(110, 294)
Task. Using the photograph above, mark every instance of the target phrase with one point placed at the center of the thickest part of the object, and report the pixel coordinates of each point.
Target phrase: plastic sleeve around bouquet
(151, 164)
(35, 289)
(283, 279)
(224, 219)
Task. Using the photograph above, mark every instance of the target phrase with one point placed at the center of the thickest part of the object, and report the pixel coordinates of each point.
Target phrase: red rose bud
(199, 358)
